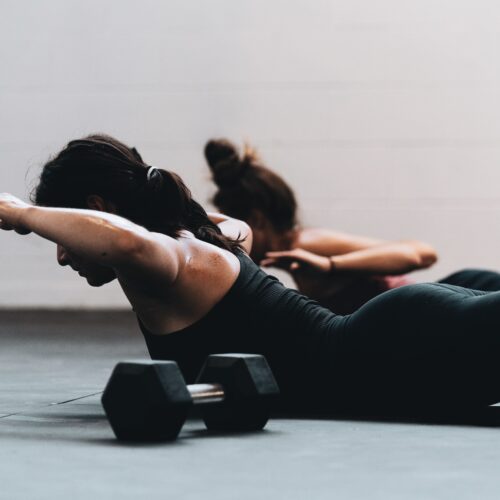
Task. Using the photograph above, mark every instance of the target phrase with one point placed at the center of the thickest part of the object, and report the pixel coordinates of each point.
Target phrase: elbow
(423, 255)
(429, 259)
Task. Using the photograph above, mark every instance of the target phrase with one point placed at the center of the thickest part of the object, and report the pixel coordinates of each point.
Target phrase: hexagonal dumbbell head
(249, 387)
(146, 400)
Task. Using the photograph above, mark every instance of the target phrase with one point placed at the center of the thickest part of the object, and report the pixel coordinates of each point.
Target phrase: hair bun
(224, 161)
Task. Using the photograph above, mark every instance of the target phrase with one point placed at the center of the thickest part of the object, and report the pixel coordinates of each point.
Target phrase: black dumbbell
(150, 400)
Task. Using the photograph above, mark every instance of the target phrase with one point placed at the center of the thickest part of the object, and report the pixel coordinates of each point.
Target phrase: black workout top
(258, 315)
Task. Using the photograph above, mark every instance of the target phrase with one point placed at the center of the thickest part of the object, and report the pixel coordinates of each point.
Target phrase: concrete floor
(55, 440)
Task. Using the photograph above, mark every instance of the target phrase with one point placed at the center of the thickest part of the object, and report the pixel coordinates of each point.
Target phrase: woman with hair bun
(195, 292)
(341, 271)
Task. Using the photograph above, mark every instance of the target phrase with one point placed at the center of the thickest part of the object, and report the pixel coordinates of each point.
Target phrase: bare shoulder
(150, 269)
(204, 259)
(325, 241)
(168, 260)
(204, 275)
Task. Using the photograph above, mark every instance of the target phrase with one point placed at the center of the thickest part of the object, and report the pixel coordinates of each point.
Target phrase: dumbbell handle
(206, 393)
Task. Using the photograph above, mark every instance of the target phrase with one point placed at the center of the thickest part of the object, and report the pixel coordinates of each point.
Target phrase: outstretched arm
(104, 238)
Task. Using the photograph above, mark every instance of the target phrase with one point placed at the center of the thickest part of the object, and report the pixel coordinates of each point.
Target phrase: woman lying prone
(195, 291)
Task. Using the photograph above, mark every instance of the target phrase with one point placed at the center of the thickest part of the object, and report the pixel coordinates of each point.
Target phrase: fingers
(9, 227)
(289, 260)
(282, 263)
(5, 226)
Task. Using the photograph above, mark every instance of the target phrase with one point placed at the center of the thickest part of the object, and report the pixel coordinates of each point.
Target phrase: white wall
(384, 115)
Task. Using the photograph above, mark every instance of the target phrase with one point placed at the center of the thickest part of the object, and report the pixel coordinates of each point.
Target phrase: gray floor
(57, 443)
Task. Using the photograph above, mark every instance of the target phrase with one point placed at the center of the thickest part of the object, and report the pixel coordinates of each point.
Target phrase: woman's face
(95, 274)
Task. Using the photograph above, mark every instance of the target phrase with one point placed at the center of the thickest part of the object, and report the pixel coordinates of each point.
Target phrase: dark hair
(101, 165)
(245, 184)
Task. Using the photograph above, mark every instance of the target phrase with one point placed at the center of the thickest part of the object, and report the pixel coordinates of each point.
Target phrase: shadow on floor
(94, 429)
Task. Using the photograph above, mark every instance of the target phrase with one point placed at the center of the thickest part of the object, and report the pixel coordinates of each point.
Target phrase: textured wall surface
(385, 116)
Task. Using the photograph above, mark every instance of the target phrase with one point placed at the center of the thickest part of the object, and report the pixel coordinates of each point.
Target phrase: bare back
(205, 275)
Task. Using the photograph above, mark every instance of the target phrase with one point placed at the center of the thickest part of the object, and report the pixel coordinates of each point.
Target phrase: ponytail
(171, 196)
(151, 197)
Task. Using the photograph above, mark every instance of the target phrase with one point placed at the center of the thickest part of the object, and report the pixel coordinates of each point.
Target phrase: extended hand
(293, 260)
(11, 209)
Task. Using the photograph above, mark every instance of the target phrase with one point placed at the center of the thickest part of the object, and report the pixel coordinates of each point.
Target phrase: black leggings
(427, 345)
(477, 279)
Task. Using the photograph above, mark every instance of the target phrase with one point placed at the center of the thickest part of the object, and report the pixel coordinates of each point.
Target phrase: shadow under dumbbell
(138, 444)
(205, 433)
(55, 431)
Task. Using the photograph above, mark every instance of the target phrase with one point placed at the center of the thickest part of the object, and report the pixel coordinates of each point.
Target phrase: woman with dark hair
(341, 271)
(195, 291)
